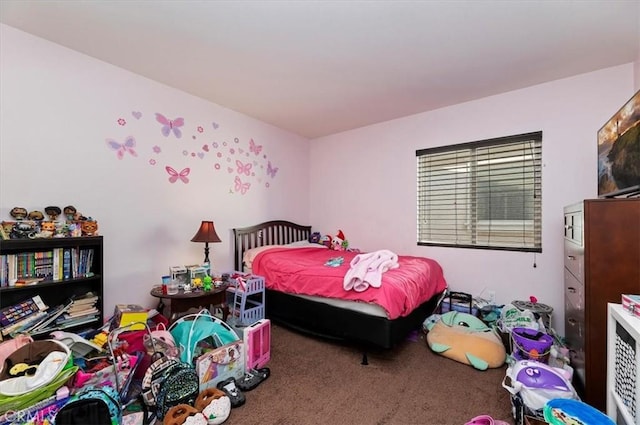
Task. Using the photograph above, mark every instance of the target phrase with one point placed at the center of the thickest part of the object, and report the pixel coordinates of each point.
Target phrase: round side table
(181, 302)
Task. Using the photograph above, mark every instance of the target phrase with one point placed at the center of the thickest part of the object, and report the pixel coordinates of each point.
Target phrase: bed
(364, 323)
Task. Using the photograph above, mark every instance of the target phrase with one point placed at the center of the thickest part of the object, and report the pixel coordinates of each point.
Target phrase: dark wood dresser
(601, 262)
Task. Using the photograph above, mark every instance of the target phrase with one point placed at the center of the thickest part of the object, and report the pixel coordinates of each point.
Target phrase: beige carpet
(314, 381)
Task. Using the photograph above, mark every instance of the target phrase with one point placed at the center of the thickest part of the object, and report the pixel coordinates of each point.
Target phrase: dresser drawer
(575, 337)
(574, 327)
(573, 219)
(573, 291)
(574, 259)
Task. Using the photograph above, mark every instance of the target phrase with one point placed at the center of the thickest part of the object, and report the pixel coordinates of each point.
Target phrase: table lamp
(206, 233)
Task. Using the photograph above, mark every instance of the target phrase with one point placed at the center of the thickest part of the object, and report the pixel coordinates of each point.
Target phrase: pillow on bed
(300, 244)
(250, 254)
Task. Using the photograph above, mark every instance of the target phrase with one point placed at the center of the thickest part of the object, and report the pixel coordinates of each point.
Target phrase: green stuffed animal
(466, 339)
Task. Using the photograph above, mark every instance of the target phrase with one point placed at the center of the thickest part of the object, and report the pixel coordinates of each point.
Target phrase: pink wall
(364, 181)
(58, 107)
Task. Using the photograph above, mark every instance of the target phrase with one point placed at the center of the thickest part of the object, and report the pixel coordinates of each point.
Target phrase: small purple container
(530, 344)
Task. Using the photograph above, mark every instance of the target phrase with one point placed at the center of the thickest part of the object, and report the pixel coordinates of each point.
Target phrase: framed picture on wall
(619, 152)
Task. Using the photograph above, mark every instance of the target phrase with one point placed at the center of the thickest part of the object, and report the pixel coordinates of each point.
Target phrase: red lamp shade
(206, 233)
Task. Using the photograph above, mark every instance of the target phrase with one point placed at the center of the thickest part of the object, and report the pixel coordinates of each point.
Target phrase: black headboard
(277, 232)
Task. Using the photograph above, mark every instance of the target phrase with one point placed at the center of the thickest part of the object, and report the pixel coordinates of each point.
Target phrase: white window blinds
(485, 194)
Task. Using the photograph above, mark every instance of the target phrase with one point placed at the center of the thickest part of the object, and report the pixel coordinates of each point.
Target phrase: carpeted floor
(314, 381)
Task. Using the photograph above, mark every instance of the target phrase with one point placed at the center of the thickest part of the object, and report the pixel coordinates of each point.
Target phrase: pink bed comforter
(302, 271)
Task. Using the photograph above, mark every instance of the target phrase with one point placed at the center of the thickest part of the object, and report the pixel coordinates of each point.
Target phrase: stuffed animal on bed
(466, 339)
(315, 237)
(339, 242)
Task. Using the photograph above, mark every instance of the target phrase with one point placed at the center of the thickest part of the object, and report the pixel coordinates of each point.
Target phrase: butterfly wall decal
(169, 126)
(271, 170)
(241, 187)
(244, 168)
(254, 148)
(121, 148)
(174, 175)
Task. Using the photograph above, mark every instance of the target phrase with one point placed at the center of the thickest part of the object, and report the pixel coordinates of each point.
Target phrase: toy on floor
(562, 411)
(214, 405)
(485, 420)
(78, 345)
(33, 366)
(531, 344)
(537, 383)
(465, 338)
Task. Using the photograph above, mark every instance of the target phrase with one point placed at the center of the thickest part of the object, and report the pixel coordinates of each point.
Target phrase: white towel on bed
(366, 270)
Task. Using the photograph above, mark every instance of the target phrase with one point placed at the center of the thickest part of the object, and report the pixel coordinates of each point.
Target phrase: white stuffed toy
(338, 242)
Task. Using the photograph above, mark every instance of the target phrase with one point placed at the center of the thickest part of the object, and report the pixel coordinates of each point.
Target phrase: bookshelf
(56, 269)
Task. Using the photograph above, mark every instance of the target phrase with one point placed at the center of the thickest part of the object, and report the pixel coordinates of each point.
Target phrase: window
(484, 194)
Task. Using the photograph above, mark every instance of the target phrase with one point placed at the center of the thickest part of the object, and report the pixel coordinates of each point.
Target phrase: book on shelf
(26, 323)
(66, 263)
(22, 281)
(55, 264)
(12, 269)
(33, 316)
(14, 313)
(76, 308)
(81, 320)
(51, 317)
(85, 312)
(44, 265)
(84, 305)
(86, 302)
(87, 298)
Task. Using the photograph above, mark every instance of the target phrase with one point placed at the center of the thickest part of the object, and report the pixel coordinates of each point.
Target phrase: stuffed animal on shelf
(70, 212)
(35, 215)
(89, 228)
(53, 212)
(47, 229)
(19, 213)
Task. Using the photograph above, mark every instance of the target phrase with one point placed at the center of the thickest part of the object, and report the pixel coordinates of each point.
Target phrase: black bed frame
(318, 318)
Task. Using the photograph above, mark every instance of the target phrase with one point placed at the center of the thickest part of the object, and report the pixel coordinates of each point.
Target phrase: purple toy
(534, 374)
(536, 383)
(531, 344)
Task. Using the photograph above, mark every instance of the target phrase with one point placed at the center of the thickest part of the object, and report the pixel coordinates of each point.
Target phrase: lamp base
(206, 252)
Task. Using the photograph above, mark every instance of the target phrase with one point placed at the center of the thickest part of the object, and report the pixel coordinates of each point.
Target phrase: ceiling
(320, 67)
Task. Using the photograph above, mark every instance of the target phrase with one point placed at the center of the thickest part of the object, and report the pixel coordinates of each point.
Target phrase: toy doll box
(221, 363)
(257, 338)
(631, 303)
(129, 314)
